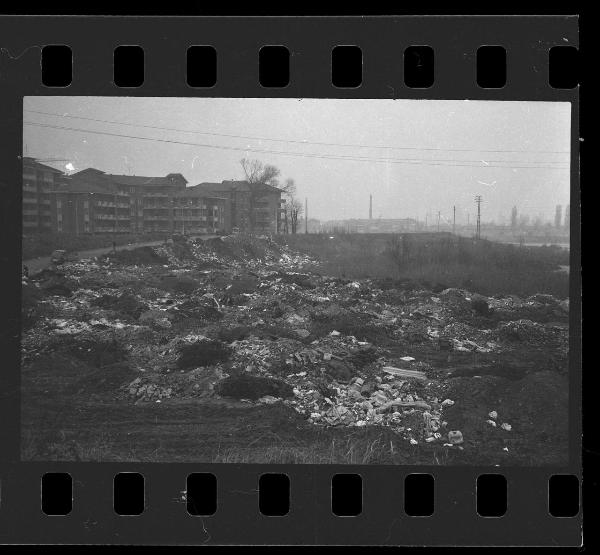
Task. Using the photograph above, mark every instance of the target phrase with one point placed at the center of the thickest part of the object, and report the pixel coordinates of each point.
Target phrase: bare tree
(285, 218)
(295, 211)
(289, 187)
(258, 175)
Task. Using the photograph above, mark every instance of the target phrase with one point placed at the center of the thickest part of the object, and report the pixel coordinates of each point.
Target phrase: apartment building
(91, 201)
(250, 207)
(38, 181)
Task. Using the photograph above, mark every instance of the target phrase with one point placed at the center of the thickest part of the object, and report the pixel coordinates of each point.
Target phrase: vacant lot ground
(244, 350)
(439, 261)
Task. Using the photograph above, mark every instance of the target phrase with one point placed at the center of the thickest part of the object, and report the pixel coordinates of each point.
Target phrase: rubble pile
(241, 318)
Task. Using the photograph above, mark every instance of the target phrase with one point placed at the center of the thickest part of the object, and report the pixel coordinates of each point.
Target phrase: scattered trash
(455, 437)
(240, 318)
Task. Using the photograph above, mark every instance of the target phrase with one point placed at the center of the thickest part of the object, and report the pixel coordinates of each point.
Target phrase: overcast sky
(421, 168)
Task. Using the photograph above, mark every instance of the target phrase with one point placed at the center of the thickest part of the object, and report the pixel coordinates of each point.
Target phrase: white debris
(455, 437)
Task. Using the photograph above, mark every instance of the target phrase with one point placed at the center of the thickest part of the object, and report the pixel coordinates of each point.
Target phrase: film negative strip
(291, 281)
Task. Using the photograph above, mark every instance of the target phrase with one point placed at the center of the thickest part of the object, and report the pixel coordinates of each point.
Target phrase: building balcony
(29, 212)
(157, 218)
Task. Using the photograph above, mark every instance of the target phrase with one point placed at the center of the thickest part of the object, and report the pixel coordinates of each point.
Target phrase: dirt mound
(103, 380)
(125, 304)
(203, 353)
(179, 284)
(139, 256)
(193, 309)
(301, 280)
(535, 407)
(242, 247)
(252, 387)
(57, 285)
(538, 405)
(229, 335)
(70, 375)
(181, 250)
(94, 352)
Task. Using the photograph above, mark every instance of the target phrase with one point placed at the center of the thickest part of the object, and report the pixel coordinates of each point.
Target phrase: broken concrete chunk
(302, 333)
(455, 437)
(409, 374)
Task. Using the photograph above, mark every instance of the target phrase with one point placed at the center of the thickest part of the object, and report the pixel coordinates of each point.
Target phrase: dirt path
(36, 265)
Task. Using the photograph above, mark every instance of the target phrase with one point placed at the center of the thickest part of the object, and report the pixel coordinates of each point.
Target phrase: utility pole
(305, 215)
(370, 207)
(478, 201)
(438, 224)
(454, 220)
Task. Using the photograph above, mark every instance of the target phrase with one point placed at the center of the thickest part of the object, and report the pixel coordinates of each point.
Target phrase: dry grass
(439, 261)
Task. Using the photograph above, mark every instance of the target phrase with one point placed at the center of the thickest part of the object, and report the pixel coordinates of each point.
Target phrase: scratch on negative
(205, 531)
(10, 56)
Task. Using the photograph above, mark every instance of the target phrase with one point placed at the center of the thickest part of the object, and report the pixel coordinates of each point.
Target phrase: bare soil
(100, 383)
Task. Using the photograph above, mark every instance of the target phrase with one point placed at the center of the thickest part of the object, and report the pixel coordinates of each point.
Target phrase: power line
(409, 161)
(290, 140)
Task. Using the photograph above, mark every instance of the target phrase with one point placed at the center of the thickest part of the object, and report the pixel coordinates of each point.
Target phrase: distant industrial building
(396, 225)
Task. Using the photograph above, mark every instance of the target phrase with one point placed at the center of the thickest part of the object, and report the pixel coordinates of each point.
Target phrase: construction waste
(241, 319)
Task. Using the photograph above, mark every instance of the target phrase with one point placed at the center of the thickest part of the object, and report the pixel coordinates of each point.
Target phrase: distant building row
(392, 225)
(91, 201)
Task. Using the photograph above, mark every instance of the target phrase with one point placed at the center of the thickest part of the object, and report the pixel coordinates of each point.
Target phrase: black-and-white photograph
(311, 281)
